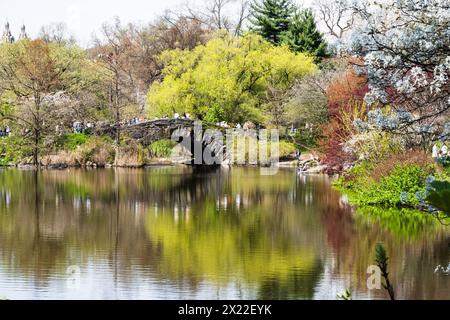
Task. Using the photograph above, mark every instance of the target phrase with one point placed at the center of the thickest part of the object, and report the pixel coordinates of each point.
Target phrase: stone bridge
(150, 131)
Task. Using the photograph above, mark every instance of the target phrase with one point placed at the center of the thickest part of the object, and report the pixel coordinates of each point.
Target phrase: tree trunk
(36, 149)
(117, 116)
(37, 130)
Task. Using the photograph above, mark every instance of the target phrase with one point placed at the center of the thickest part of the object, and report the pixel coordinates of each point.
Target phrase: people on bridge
(6, 132)
(223, 124)
(78, 127)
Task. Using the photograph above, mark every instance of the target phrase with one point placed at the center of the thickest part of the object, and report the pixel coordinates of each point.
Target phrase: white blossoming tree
(406, 50)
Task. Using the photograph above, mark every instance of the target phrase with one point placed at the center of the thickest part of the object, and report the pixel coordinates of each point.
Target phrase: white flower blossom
(406, 49)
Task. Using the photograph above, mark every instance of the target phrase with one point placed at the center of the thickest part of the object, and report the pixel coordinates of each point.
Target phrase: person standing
(435, 151)
(298, 154)
(444, 150)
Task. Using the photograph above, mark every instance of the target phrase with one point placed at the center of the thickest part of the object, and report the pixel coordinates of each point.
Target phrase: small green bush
(390, 184)
(397, 181)
(444, 161)
(71, 141)
(12, 150)
(287, 149)
(396, 189)
(439, 196)
(161, 148)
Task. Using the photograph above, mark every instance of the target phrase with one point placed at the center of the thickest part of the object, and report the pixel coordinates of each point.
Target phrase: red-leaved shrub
(342, 95)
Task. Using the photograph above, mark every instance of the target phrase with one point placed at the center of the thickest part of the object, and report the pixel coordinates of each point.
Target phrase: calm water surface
(171, 233)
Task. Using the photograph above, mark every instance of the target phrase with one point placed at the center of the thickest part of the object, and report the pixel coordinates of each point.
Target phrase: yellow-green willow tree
(229, 78)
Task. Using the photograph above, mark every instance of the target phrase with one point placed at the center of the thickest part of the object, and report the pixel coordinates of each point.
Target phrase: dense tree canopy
(303, 35)
(271, 18)
(281, 22)
(406, 50)
(227, 79)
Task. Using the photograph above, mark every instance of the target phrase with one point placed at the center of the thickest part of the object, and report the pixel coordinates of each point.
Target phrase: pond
(180, 233)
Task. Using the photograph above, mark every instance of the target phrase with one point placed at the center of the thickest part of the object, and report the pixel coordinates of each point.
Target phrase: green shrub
(398, 188)
(71, 141)
(12, 150)
(395, 182)
(447, 171)
(355, 177)
(287, 149)
(444, 161)
(161, 148)
(439, 196)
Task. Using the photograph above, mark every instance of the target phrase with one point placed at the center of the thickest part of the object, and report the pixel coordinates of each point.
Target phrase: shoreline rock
(310, 163)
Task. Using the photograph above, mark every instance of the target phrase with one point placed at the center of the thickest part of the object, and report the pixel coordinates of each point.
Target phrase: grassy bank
(399, 181)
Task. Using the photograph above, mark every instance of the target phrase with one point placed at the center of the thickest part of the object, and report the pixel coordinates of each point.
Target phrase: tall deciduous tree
(233, 79)
(303, 35)
(129, 56)
(56, 33)
(337, 16)
(271, 18)
(114, 54)
(307, 108)
(32, 72)
(229, 15)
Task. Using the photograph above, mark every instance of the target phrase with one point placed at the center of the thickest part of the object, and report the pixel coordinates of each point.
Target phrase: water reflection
(169, 232)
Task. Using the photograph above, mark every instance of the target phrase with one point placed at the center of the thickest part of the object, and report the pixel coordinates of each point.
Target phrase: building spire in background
(7, 36)
(23, 34)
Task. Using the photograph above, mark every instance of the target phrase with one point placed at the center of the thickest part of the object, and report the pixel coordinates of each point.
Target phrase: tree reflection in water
(207, 234)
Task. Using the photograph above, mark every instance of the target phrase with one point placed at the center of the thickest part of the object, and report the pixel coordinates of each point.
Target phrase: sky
(82, 17)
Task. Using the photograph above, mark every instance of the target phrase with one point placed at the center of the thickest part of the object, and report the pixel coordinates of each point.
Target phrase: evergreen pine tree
(303, 36)
(271, 18)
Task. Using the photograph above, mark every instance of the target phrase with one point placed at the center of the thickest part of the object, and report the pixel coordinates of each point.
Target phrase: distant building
(7, 36)
(23, 34)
